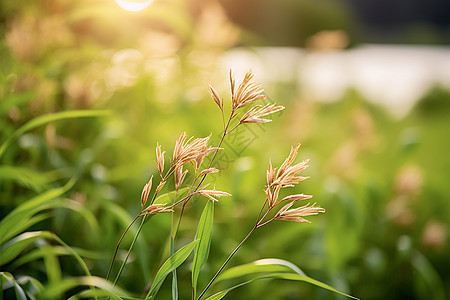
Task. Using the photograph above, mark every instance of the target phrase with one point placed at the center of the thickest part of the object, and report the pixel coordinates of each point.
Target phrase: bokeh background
(366, 86)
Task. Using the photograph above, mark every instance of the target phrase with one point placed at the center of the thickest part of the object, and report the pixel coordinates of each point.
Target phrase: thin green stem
(234, 127)
(129, 251)
(172, 247)
(267, 222)
(226, 262)
(118, 244)
(257, 225)
(169, 172)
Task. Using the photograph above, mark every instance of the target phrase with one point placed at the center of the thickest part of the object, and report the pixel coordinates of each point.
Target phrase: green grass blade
(59, 250)
(169, 265)
(19, 219)
(174, 272)
(260, 266)
(8, 277)
(24, 176)
(298, 277)
(285, 276)
(45, 119)
(204, 233)
(52, 265)
(221, 294)
(12, 248)
(31, 286)
(274, 269)
(51, 291)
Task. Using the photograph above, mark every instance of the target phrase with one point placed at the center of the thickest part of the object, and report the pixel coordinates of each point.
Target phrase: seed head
(146, 192)
(297, 214)
(254, 114)
(185, 152)
(160, 186)
(160, 160)
(156, 208)
(216, 97)
(246, 93)
(179, 177)
(285, 177)
(208, 171)
(210, 193)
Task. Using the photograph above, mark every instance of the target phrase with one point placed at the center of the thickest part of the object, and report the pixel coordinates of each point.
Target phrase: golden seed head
(210, 193)
(179, 177)
(246, 93)
(285, 177)
(254, 114)
(156, 208)
(160, 159)
(231, 84)
(295, 198)
(215, 97)
(160, 186)
(297, 214)
(208, 171)
(146, 192)
(194, 151)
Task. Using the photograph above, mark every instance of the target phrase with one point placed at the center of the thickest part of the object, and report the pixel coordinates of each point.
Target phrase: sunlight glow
(134, 5)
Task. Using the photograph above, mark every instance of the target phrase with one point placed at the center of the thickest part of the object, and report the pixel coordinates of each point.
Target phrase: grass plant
(193, 151)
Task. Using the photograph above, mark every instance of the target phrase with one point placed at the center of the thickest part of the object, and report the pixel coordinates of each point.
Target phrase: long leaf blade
(45, 119)
(52, 290)
(169, 265)
(13, 247)
(14, 223)
(273, 269)
(204, 233)
(260, 266)
(20, 294)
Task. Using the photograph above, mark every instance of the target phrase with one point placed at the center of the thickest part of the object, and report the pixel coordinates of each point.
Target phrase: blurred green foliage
(383, 180)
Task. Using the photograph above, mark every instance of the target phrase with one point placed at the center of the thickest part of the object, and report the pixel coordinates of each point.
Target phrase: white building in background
(391, 75)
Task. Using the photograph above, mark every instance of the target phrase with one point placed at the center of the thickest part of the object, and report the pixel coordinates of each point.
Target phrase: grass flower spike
(285, 177)
(210, 193)
(156, 208)
(160, 160)
(146, 192)
(254, 114)
(297, 214)
(216, 97)
(194, 150)
(246, 93)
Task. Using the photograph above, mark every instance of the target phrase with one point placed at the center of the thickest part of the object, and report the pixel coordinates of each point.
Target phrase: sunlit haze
(134, 5)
